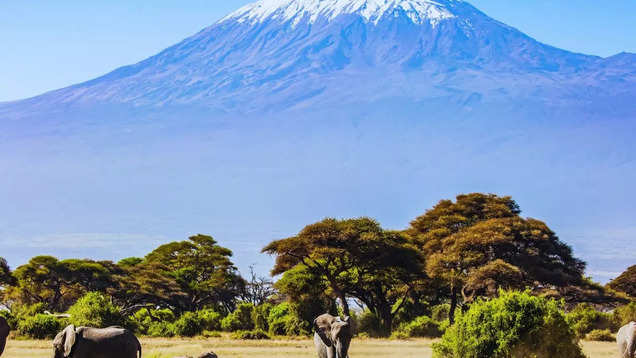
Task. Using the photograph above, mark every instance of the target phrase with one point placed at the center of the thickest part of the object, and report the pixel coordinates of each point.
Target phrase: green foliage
(260, 314)
(514, 325)
(21, 312)
(202, 269)
(440, 313)
(369, 324)
(600, 335)
(211, 334)
(422, 326)
(188, 325)
(625, 314)
(480, 244)
(584, 318)
(96, 310)
(254, 334)
(240, 319)
(353, 258)
(210, 319)
(145, 317)
(40, 326)
(283, 321)
(161, 329)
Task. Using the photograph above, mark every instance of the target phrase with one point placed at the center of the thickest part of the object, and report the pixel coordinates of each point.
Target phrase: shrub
(144, 318)
(514, 325)
(240, 319)
(601, 335)
(283, 321)
(369, 324)
(188, 325)
(40, 326)
(260, 316)
(584, 318)
(254, 334)
(161, 329)
(625, 314)
(422, 326)
(211, 334)
(21, 312)
(440, 313)
(399, 335)
(95, 310)
(210, 319)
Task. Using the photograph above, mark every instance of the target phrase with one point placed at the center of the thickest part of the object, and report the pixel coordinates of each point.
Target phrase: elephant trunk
(3, 342)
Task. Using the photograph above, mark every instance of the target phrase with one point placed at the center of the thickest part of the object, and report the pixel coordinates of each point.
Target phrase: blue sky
(46, 45)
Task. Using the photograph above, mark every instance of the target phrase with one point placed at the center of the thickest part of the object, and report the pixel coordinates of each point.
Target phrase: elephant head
(4, 333)
(334, 332)
(63, 342)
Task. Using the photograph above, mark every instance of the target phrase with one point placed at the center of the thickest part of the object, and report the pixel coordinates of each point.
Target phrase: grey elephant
(4, 333)
(87, 342)
(333, 336)
(626, 339)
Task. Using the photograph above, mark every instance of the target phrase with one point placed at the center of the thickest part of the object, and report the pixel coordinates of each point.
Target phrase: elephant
(626, 339)
(333, 336)
(88, 342)
(4, 333)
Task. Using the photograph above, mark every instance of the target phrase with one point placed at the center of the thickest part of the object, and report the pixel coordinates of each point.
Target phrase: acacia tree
(203, 270)
(58, 283)
(353, 258)
(479, 244)
(146, 284)
(626, 282)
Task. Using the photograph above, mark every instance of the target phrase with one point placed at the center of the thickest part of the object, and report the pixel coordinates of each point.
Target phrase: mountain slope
(299, 52)
(288, 111)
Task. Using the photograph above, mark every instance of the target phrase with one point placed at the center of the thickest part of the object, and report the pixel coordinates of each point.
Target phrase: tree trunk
(453, 305)
(344, 304)
(386, 321)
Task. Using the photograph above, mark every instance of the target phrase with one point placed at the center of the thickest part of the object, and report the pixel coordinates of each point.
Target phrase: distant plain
(223, 347)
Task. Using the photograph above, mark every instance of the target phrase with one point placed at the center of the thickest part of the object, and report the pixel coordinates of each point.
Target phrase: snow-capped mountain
(281, 54)
(287, 111)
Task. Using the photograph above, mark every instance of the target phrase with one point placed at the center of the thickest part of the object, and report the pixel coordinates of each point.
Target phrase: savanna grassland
(172, 347)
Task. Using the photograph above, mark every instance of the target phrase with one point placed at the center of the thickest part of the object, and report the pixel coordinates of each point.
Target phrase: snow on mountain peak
(419, 11)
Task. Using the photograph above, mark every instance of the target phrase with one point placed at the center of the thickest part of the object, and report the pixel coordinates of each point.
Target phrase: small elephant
(626, 339)
(333, 336)
(88, 342)
(4, 333)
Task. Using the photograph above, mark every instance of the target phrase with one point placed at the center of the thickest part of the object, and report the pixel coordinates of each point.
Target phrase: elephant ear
(69, 341)
(322, 325)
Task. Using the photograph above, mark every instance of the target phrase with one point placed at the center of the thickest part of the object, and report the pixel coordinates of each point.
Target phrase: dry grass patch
(224, 347)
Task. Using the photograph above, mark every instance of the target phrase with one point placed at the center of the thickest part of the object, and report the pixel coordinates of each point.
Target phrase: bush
(514, 325)
(161, 329)
(584, 318)
(21, 312)
(601, 335)
(240, 319)
(40, 326)
(440, 313)
(625, 314)
(283, 321)
(422, 326)
(144, 318)
(254, 334)
(369, 324)
(260, 316)
(188, 325)
(211, 334)
(210, 319)
(95, 310)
